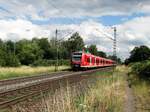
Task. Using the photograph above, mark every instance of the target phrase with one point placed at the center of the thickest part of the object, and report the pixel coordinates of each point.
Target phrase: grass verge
(141, 89)
(102, 92)
(11, 72)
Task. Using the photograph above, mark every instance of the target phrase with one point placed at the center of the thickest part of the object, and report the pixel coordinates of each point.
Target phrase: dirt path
(129, 101)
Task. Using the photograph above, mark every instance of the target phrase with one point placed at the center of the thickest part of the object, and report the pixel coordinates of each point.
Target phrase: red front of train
(87, 60)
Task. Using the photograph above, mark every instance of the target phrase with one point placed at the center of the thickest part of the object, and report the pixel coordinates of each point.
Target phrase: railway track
(27, 78)
(24, 81)
(16, 95)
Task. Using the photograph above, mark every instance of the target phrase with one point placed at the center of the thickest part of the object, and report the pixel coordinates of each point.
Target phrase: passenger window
(88, 60)
(97, 61)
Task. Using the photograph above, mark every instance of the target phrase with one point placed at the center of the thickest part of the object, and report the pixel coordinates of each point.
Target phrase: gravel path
(129, 101)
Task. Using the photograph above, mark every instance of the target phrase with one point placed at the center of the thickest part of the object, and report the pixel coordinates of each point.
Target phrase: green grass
(4, 110)
(141, 89)
(107, 94)
(103, 92)
(11, 72)
(140, 85)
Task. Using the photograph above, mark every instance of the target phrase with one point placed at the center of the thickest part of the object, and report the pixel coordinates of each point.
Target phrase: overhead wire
(106, 35)
(51, 2)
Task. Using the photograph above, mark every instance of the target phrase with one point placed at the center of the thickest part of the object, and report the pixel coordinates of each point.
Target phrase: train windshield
(76, 56)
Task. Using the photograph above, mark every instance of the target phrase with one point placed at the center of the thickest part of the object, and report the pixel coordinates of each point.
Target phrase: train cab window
(76, 57)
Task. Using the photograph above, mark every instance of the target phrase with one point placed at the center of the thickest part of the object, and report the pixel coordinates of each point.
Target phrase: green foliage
(140, 87)
(138, 54)
(142, 69)
(7, 57)
(75, 43)
(50, 62)
(45, 47)
(12, 60)
(42, 52)
(39, 52)
(2, 58)
(28, 52)
(93, 49)
(102, 54)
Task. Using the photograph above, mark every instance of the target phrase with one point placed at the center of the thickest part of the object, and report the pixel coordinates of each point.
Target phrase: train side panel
(89, 61)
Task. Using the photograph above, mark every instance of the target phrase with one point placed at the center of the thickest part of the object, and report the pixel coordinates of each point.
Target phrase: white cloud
(19, 29)
(133, 33)
(43, 9)
(130, 34)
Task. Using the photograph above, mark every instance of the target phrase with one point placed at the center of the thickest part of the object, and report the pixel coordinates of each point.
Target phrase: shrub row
(142, 69)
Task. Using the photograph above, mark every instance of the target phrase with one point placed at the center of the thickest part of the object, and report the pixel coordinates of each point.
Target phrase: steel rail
(12, 97)
(28, 78)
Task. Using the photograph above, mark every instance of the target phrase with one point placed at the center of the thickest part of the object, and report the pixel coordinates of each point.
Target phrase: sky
(93, 19)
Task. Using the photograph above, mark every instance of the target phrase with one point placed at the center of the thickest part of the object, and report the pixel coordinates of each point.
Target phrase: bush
(145, 70)
(142, 69)
(12, 61)
(2, 62)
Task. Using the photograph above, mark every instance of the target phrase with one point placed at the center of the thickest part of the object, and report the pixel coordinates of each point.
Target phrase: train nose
(76, 62)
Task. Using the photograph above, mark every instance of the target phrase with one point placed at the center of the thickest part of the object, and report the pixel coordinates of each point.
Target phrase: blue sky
(107, 20)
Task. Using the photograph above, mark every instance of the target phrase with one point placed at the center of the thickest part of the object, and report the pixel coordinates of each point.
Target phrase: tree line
(138, 54)
(38, 52)
(139, 61)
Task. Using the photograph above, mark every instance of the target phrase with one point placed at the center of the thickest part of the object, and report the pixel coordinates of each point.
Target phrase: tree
(93, 49)
(46, 47)
(2, 57)
(7, 54)
(12, 60)
(63, 51)
(75, 43)
(139, 54)
(28, 52)
(10, 46)
(2, 53)
(101, 54)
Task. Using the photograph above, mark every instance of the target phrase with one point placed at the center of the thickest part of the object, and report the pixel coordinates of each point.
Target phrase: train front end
(76, 60)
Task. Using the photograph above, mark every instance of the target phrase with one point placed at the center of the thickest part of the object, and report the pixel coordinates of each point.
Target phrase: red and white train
(87, 60)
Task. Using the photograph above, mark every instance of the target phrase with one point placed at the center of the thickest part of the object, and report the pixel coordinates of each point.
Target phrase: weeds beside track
(102, 92)
(11, 97)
